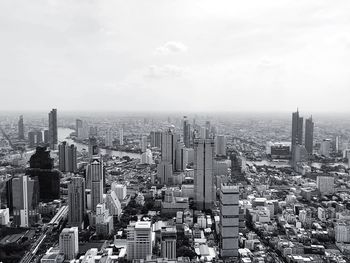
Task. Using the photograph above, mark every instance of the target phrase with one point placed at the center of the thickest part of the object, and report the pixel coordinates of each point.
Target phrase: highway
(34, 248)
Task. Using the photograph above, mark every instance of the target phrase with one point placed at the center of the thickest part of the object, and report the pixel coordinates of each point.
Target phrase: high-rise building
(78, 127)
(69, 243)
(309, 135)
(139, 240)
(24, 201)
(186, 132)
(203, 173)
(297, 130)
(53, 139)
(104, 221)
(76, 201)
(120, 190)
(21, 128)
(95, 181)
(144, 144)
(109, 138)
(156, 138)
(81, 129)
(168, 242)
(35, 138)
(220, 145)
(229, 220)
(93, 147)
(121, 136)
(325, 184)
(325, 148)
(113, 205)
(164, 173)
(41, 167)
(67, 157)
(46, 137)
(207, 130)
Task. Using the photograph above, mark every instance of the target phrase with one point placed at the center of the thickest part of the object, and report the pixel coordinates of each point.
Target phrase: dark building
(31, 139)
(156, 139)
(67, 157)
(93, 147)
(46, 136)
(53, 129)
(237, 174)
(309, 135)
(280, 151)
(20, 128)
(297, 130)
(41, 168)
(187, 133)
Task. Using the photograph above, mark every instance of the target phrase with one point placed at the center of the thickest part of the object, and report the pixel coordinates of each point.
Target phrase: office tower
(309, 135)
(220, 145)
(113, 205)
(53, 129)
(179, 154)
(168, 242)
(24, 201)
(139, 240)
(69, 243)
(20, 128)
(76, 201)
(31, 139)
(109, 138)
(144, 144)
(203, 173)
(325, 148)
(81, 129)
(299, 155)
(229, 220)
(120, 190)
(121, 136)
(325, 184)
(104, 222)
(164, 173)
(95, 181)
(41, 167)
(186, 132)
(93, 147)
(67, 157)
(202, 133)
(297, 130)
(156, 139)
(46, 136)
(147, 157)
(78, 127)
(207, 130)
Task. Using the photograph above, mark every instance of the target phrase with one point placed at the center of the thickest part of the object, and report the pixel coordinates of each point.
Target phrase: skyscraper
(95, 180)
(220, 145)
(93, 147)
(53, 128)
(76, 201)
(186, 132)
(139, 240)
(20, 128)
(69, 243)
(297, 130)
(229, 220)
(121, 136)
(67, 157)
(203, 173)
(156, 139)
(144, 144)
(109, 138)
(309, 135)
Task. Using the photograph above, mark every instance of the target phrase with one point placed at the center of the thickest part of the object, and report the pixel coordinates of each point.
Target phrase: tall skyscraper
(67, 157)
(156, 138)
(168, 242)
(69, 243)
(139, 240)
(229, 220)
(309, 135)
(144, 143)
(220, 145)
(53, 129)
(186, 132)
(121, 136)
(41, 167)
(21, 128)
(93, 147)
(76, 201)
(203, 173)
(78, 127)
(24, 201)
(297, 130)
(109, 138)
(95, 181)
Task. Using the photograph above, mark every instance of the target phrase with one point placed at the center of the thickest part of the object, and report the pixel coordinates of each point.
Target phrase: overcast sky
(189, 55)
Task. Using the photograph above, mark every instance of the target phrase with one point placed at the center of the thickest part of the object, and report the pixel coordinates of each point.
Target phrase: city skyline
(259, 55)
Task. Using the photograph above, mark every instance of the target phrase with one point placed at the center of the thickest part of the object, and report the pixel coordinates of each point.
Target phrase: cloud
(171, 48)
(163, 71)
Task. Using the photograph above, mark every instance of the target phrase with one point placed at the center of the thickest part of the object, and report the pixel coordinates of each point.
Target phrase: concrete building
(104, 221)
(144, 143)
(342, 232)
(76, 201)
(297, 130)
(325, 184)
(139, 240)
(53, 129)
(20, 128)
(203, 178)
(186, 132)
(69, 243)
(168, 242)
(67, 157)
(4, 217)
(95, 181)
(325, 148)
(120, 190)
(109, 138)
(309, 135)
(220, 145)
(121, 136)
(113, 205)
(229, 220)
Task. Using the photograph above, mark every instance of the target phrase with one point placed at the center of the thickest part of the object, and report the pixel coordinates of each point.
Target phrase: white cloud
(170, 48)
(162, 71)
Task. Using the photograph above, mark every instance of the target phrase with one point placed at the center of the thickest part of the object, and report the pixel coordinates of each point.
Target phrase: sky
(175, 55)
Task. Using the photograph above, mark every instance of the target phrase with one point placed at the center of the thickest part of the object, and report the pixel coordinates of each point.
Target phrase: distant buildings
(67, 157)
(139, 240)
(53, 139)
(81, 129)
(35, 138)
(76, 201)
(109, 138)
(21, 128)
(121, 136)
(203, 178)
(69, 243)
(342, 231)
(120, 190)
(144, 144)
(325, 148)
(309, 135)
(229, 220)
(93, 147)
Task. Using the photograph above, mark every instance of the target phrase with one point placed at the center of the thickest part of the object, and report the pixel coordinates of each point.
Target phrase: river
(63, 135)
